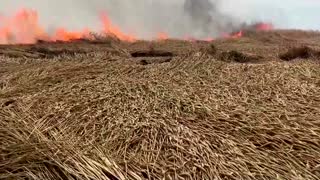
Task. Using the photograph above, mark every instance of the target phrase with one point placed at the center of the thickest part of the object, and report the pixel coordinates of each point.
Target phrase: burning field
(24, 27)
(81, 105)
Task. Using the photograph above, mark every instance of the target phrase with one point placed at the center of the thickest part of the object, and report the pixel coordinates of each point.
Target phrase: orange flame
(233, 36)
(24, 28)
(162, 36)
(237, 35)
(264, 27)
(110, 29)
(21, 28)
(62, 34)
(5, 35)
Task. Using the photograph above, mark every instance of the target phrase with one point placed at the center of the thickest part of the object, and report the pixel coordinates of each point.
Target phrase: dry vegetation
(231, 109)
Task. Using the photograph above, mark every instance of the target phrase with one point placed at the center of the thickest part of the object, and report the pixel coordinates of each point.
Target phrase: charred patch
(299, 52)
(151, 53)
(240, 57)
(8, 103)
(147, 61)
(51, 52)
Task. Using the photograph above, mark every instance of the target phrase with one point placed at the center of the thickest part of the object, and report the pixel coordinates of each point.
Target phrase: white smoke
(147, 17)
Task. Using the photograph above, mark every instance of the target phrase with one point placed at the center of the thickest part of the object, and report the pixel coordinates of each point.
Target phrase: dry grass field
(246, 108)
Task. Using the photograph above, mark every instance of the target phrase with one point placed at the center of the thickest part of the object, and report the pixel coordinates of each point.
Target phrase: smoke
(178, 18)
(206, 16)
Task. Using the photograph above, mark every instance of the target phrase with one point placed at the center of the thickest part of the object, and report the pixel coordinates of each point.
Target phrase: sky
(144, 17)
(297, 14)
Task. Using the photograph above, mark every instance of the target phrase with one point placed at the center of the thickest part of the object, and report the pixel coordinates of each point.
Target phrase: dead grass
(105, 116)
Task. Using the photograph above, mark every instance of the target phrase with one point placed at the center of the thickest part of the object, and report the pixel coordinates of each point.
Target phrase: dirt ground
(245, 108)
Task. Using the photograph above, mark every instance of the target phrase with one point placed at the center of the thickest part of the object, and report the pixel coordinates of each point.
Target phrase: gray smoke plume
(205, 16)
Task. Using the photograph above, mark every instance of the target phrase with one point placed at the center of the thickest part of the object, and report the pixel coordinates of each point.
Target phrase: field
(246, 108)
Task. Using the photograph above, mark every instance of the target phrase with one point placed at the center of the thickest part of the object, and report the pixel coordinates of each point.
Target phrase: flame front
(24, 28)
(162, 36)
(61, 34)
(110, 29)
(21, 28)
(264, 27)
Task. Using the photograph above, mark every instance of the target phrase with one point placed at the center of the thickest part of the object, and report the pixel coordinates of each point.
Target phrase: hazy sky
(300, 14)
(147, 16)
